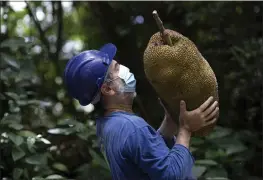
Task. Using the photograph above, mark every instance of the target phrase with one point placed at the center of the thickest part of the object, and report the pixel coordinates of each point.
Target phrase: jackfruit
(179, 72)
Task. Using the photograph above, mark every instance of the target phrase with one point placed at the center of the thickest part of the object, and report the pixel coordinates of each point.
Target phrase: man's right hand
(202, 116)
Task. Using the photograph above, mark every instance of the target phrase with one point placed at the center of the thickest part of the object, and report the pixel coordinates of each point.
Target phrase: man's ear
(106, 90)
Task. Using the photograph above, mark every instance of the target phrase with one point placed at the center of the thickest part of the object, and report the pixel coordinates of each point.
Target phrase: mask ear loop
(97, 97)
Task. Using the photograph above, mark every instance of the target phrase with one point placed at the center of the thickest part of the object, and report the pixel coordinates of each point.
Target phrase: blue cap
(84, 74)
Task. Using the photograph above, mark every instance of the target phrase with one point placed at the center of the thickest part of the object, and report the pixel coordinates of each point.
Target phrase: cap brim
(109, 49)
(84, 102)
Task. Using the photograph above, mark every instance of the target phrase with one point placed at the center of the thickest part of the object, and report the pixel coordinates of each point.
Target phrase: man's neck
(118, 107)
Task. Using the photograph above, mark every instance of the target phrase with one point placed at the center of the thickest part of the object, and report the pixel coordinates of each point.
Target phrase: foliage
(32, 141)
(47, 135)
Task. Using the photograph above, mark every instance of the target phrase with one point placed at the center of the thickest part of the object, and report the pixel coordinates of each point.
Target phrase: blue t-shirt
(136, 151)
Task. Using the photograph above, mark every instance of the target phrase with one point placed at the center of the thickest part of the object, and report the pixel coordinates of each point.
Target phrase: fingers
(206, 104)
(210, 109)
(182, 107)
(212, 115)
(211, 122)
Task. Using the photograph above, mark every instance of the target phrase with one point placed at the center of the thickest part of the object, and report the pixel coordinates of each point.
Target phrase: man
(134, 150)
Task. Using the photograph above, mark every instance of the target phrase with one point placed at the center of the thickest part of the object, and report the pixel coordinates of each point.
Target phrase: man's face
(113, 77)
(113, 81)
(114, 69)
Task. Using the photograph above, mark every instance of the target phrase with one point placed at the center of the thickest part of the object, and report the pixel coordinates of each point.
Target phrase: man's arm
(189, 121)
(167, 130)
(146, 149)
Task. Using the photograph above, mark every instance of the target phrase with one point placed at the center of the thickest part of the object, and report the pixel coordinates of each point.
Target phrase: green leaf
(30, 144)
(219, 132)
(26, 173)
(193, 149)
(43, 170)
(67, 122)
(37, 159)
(13, 42)
(235, 148)
(79, 127)
(97, 159)
(12, 95)
(206, 162)
(212, 154)
(86, 134)
(60, 167)
(17, 140)
(45, 140)
(11, 118)
(10, 61)
(55, 176)
(197, 141)
(2, 97)
(83, 167)
(27, 133)
(247, 136)
(198, 170)
(38, 178)
(21, 103)
(17, 153)
(216, 172)
(17, 173)
(231, 145)
(16, 126)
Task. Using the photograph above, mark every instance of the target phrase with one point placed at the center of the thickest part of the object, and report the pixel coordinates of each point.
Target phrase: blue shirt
(136, 151)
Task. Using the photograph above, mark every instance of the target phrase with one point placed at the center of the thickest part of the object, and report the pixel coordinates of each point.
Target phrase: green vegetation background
(46, 135)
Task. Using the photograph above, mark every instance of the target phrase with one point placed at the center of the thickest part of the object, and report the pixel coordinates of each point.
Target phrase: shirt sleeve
(146, 148)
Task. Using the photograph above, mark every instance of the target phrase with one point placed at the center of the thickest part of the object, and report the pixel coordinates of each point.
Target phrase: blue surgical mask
(128, 78)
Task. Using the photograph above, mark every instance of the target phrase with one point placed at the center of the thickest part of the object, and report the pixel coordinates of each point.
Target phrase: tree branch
(41, 32)
(59, 30)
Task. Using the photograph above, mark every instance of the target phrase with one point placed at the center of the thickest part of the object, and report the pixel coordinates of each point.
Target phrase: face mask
(128, 78)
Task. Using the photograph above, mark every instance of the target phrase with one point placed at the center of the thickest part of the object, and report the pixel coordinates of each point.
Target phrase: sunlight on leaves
(17, 140)
(60, 167)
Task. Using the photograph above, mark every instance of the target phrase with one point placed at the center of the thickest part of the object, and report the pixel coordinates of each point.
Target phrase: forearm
(167, 129)
(183, 137)
(170, 142)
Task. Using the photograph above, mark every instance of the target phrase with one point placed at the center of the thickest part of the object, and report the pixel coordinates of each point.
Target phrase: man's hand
(202, 116)
(190, 121)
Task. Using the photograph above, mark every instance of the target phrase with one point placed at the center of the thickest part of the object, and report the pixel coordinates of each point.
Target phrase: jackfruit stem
(159, 23)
